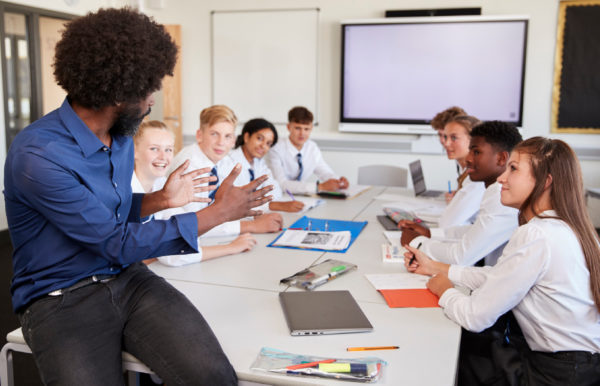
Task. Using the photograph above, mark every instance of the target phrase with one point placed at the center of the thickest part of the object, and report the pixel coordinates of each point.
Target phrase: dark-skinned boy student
(489, 151)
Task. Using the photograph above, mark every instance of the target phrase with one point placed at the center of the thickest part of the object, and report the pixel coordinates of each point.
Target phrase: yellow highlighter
(353, 368)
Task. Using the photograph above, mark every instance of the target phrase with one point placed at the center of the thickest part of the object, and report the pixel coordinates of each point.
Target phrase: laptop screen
(418, 180)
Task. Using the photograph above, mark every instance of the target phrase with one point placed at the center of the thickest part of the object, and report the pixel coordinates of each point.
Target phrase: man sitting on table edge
(79, 288)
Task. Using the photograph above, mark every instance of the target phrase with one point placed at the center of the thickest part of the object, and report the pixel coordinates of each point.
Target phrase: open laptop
(323, 312)
(418, 180)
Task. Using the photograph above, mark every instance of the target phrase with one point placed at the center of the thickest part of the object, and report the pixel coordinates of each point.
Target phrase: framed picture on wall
(576, 96)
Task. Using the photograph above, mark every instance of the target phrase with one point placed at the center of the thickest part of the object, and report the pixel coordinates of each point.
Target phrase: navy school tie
(251, 174)
(300, 168)
(213, 172)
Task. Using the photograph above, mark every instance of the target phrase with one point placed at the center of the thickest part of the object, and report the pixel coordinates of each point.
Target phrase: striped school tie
(213, 172)
(251, 174)
(299, 157)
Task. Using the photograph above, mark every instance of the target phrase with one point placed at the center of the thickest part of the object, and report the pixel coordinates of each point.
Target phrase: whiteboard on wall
(264, 62)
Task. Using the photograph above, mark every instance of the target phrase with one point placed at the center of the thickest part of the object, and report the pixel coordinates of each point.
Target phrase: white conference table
(238, 296)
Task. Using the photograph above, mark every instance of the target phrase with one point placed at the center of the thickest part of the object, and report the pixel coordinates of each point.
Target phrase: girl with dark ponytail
(257, 137)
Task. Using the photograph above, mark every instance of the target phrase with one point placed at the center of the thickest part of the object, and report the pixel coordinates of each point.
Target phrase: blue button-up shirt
(70, 210)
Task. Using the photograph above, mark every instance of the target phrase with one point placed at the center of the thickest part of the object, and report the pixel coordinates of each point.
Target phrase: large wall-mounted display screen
(401, 73)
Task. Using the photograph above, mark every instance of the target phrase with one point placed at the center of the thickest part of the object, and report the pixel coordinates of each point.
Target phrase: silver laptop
(418, 180)
(323, 312)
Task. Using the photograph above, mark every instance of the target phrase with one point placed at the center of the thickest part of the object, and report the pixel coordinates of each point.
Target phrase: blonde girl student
(548, 275)
(257, 137)
(463, 203)
(153, 149)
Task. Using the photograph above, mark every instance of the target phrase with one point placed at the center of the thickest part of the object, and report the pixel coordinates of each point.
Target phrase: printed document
(314, 239)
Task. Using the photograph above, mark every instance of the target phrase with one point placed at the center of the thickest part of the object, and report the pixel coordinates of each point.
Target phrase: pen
(373, 348)
(449, 187)
(293, 199)
(311, 364)
(412, 259)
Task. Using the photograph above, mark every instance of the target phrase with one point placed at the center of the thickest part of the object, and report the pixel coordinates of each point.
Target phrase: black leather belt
(82, 283)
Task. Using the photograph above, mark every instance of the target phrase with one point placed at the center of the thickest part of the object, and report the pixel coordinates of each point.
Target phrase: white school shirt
(464, 206)
(543, 277)
(467, 244)
(259, 166)
(175, 260)
(199, 160)
(283, 161)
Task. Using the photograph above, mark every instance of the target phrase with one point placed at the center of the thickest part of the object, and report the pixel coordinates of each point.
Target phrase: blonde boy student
(294, 160)
(153, 153)
(215, 138)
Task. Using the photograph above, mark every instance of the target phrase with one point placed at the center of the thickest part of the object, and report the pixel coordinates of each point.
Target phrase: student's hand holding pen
(293, 206)
(449, 196)
(266, 223)
(418, 262)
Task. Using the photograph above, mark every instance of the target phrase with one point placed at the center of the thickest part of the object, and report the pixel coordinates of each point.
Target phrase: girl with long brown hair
(548, 275)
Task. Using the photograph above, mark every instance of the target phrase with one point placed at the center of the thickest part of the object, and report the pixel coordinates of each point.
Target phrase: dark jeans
(500, 356)
(77, 338)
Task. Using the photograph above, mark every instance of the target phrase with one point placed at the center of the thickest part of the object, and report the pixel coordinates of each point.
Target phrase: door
(167, 107)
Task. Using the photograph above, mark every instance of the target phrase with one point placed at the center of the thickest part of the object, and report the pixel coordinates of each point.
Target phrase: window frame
(32, 14)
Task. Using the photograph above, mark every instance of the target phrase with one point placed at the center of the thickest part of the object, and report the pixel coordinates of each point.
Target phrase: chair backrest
(383, 175)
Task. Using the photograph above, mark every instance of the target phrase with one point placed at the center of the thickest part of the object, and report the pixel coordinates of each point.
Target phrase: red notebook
(419, 298)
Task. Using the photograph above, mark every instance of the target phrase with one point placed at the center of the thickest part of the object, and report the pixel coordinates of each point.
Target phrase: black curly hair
(112, 56)
(502, 135)
(253, 126)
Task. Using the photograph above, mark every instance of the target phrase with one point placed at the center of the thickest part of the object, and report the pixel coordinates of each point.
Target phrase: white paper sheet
(393, 237)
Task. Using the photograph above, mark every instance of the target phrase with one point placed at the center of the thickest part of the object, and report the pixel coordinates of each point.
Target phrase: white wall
(194, 17)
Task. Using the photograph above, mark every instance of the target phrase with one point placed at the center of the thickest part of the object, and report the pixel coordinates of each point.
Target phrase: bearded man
(79, 288)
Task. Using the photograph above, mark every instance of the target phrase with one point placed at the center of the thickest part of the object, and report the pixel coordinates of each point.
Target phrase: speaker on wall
(433, 12)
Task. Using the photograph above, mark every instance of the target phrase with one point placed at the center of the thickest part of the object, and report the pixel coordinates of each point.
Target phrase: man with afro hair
(79, 288)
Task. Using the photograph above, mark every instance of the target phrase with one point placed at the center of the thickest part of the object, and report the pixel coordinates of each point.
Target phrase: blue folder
(318, 224)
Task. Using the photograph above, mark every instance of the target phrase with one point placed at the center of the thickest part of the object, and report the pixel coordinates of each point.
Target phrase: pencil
(373, 348)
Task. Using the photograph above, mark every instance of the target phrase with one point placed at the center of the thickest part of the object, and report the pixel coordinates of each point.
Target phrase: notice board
(576, 89)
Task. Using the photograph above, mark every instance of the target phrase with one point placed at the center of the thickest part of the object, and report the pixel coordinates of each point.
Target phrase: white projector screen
(404, 72)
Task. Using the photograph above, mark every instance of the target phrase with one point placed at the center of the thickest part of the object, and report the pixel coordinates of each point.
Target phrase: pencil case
(399, 214)
(319, 274)
(367, 370)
